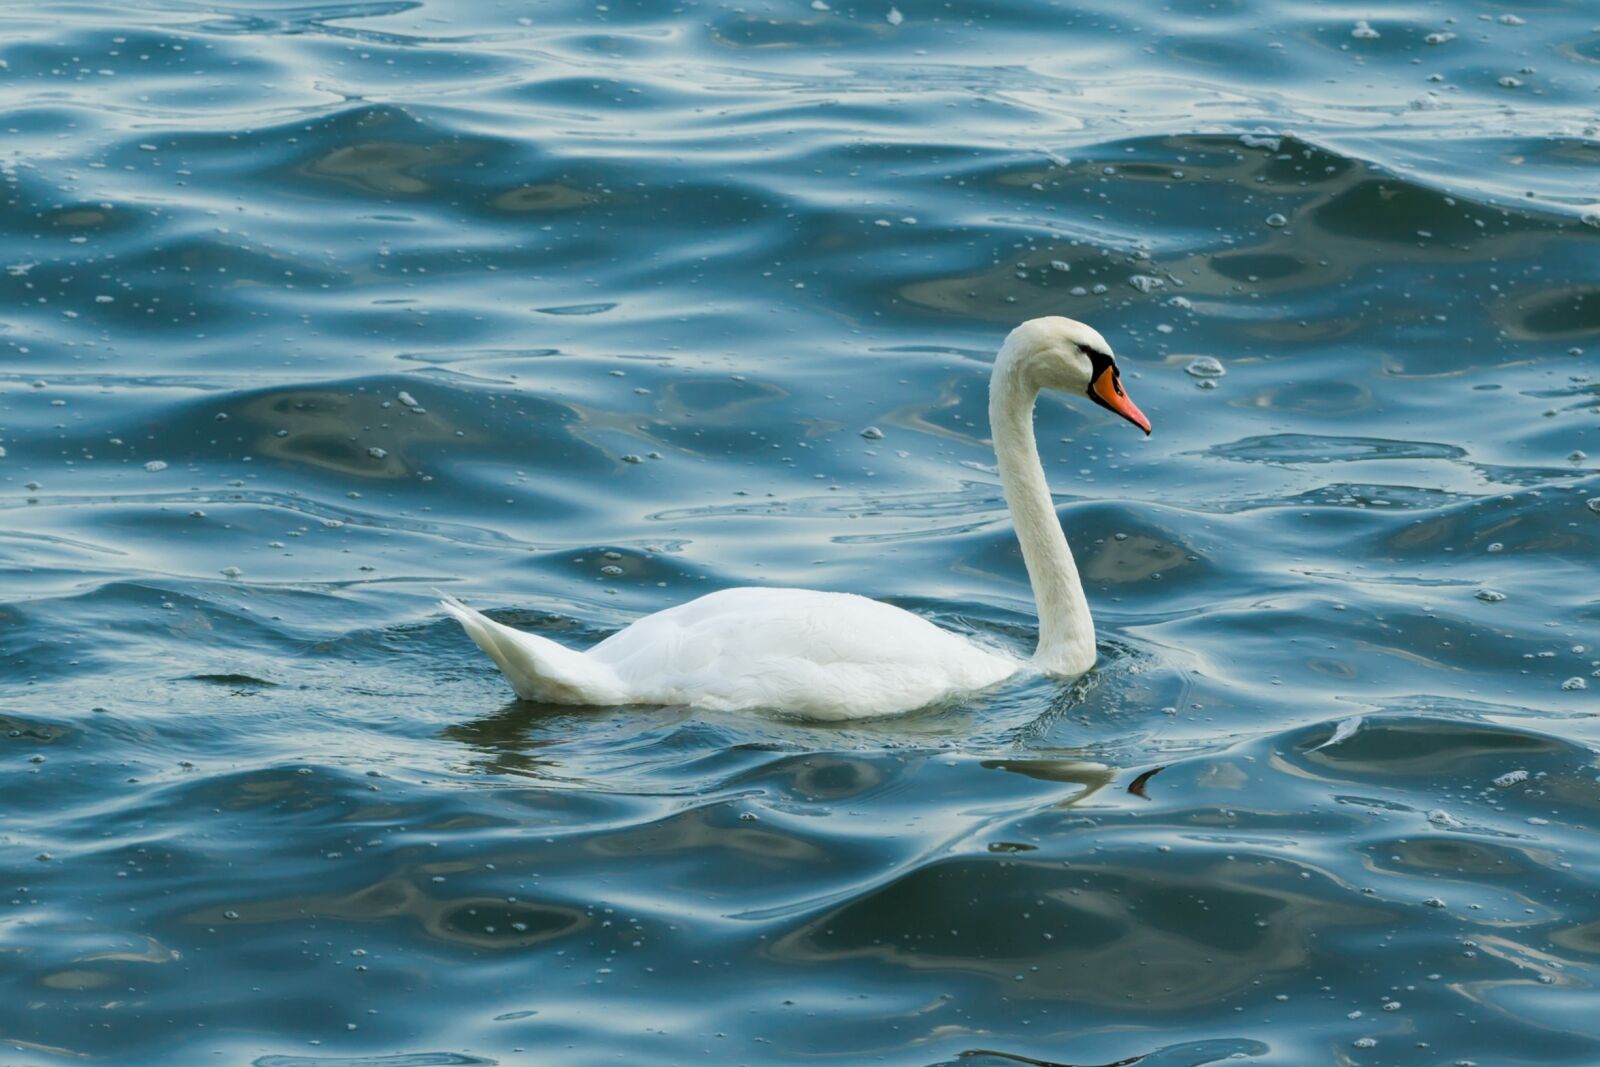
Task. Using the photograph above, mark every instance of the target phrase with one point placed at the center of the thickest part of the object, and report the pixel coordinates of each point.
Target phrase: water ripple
(311, 310)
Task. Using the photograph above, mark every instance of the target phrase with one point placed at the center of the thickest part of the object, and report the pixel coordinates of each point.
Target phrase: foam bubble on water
(1262, 137)
(1363, 31)
(1593, 504)
(894, 18)
(1574, 683)
(1513, 20)
(1442, 37)
(1591, 217)
(1490, 596)
(377, 453)
(1206, 367)
(155, 466)
(1508, 82)
(1511, 778)
(1442, 818)
(1146, 282)
(1277, 220)
(872, 433)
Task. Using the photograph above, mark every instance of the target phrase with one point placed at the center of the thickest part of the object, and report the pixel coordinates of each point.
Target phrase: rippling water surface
(578, 310)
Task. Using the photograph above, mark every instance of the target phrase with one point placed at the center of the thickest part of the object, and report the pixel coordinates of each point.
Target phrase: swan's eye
(1099, 363)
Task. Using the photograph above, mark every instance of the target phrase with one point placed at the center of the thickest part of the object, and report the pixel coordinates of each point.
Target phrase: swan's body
(838, 655)
(821, 655)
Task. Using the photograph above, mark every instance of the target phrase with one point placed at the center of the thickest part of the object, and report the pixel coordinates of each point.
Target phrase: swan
(839, 655)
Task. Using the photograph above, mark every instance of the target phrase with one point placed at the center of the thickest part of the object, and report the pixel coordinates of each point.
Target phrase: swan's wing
(827, 655)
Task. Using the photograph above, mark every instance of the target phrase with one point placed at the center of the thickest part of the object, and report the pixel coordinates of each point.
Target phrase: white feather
(1342, 732)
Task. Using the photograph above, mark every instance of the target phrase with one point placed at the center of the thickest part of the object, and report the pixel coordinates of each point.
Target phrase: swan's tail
(536, 667)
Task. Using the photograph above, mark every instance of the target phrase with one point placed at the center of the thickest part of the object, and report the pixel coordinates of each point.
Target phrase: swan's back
(824, 655)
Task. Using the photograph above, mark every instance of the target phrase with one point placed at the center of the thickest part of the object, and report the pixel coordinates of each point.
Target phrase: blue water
(577, 311)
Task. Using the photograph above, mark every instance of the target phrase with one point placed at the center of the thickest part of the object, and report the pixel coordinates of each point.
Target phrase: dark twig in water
(1136, 787)
(970, 1053)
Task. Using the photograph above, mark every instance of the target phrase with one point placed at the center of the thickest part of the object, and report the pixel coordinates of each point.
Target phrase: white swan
(838, 655)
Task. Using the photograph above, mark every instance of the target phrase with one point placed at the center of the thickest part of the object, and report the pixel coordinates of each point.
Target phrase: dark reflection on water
(313, 310)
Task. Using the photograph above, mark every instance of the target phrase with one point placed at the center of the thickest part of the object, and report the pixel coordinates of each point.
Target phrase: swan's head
(1064, 354)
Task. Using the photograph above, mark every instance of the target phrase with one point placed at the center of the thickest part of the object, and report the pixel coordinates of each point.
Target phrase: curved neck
(1066, 632)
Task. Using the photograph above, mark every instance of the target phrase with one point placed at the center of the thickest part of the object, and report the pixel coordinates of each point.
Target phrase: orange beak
(1106, 391)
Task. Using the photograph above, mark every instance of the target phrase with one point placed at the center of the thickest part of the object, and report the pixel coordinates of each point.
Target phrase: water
(579, 310)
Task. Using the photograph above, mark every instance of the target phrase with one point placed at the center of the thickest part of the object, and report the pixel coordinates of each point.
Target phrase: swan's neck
(1066, 632)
